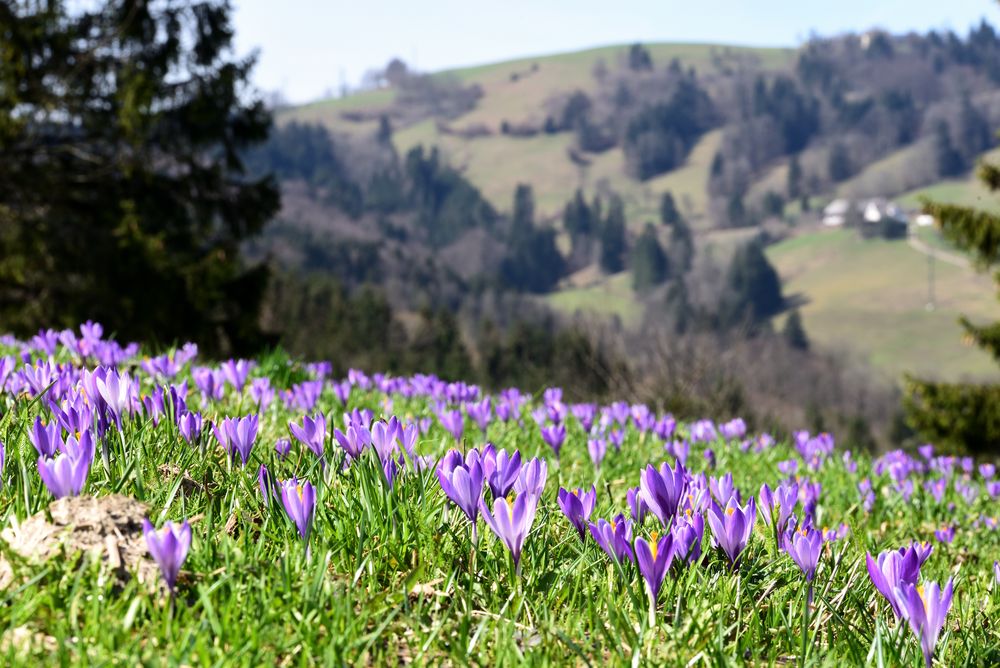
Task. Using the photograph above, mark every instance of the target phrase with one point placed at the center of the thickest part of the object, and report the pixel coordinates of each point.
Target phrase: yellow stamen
(730, 510)
(298, 488)
(654, 544)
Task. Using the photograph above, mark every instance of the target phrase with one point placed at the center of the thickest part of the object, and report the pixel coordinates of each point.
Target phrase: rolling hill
(867, 297)
(518, 91)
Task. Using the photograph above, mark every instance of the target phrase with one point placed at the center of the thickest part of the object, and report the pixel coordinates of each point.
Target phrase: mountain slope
(518, 92)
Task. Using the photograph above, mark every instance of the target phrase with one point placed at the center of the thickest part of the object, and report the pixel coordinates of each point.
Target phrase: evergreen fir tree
(524, 210)
(794, 333)
(123, 130)
(964, 415)
(669, 215)
(612, 257)
(794, 187)
(677, 306)
(649, 262)
(681, 250)
(753, 289)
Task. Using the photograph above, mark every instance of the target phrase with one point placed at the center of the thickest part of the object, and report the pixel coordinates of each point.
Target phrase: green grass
(391, 576)
(610, 296)
(870, 297)
(389, 573)
(966, 191)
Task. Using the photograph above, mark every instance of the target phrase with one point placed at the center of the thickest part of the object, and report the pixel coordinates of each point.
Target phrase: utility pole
(930, 278)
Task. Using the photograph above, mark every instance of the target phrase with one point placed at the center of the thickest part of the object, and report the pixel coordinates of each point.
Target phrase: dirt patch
(108, 528)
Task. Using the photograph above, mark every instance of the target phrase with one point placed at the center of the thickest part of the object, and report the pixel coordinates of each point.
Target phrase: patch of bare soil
(108, 528)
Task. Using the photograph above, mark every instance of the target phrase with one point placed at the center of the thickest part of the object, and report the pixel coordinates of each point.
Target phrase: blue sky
(308, 47)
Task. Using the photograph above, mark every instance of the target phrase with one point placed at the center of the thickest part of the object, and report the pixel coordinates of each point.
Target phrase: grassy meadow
(388, 571)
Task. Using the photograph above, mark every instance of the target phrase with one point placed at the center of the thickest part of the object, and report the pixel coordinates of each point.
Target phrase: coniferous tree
(964, 415)
(839, 163)
(534, 263)
(794, 333)
(612, 257)
(124, 198)
(949, 159)
(752, 291)
(649, 262)
(524, 209)
(794, 187)
(677, 306)
(669, 215)
(680, 252)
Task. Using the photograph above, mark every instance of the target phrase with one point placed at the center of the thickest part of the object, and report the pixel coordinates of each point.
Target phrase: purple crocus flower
(236, 372)
(703, 431)
(408, 434)
(945, 534)
(47, 439)
(734, 429)
(776, 507)
(462, 482)
(531, 479)
(688, 533)
(555, 436)
(578, 505)
(723, 489)
(617, 438)
(481, 413)
(662, 490)
(311, 434)
(169, 548)
(354, 439)
(79, 447)
(342, 391)
(268, 488)
(614, 537)
(64, 475)
(299, 499)
(637, 506)
(731, 526)
(501, 470)
(987, 470)
(511, 522)
(237, 436)
(804, 546)
(709, 458)
(936, 488)
(189, 425)
(282, 446)
(653, 558)
(452, 422)
(598, 448)
(891, 569)
(996, 570)
(116, 390)
(925, 608)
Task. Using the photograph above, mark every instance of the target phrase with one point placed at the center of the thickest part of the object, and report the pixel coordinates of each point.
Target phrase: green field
(611, 296)
(870, 298)
(966, 191)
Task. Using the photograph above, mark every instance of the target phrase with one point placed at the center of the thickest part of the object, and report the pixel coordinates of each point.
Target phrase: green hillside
(517, 91)
(869, 297)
